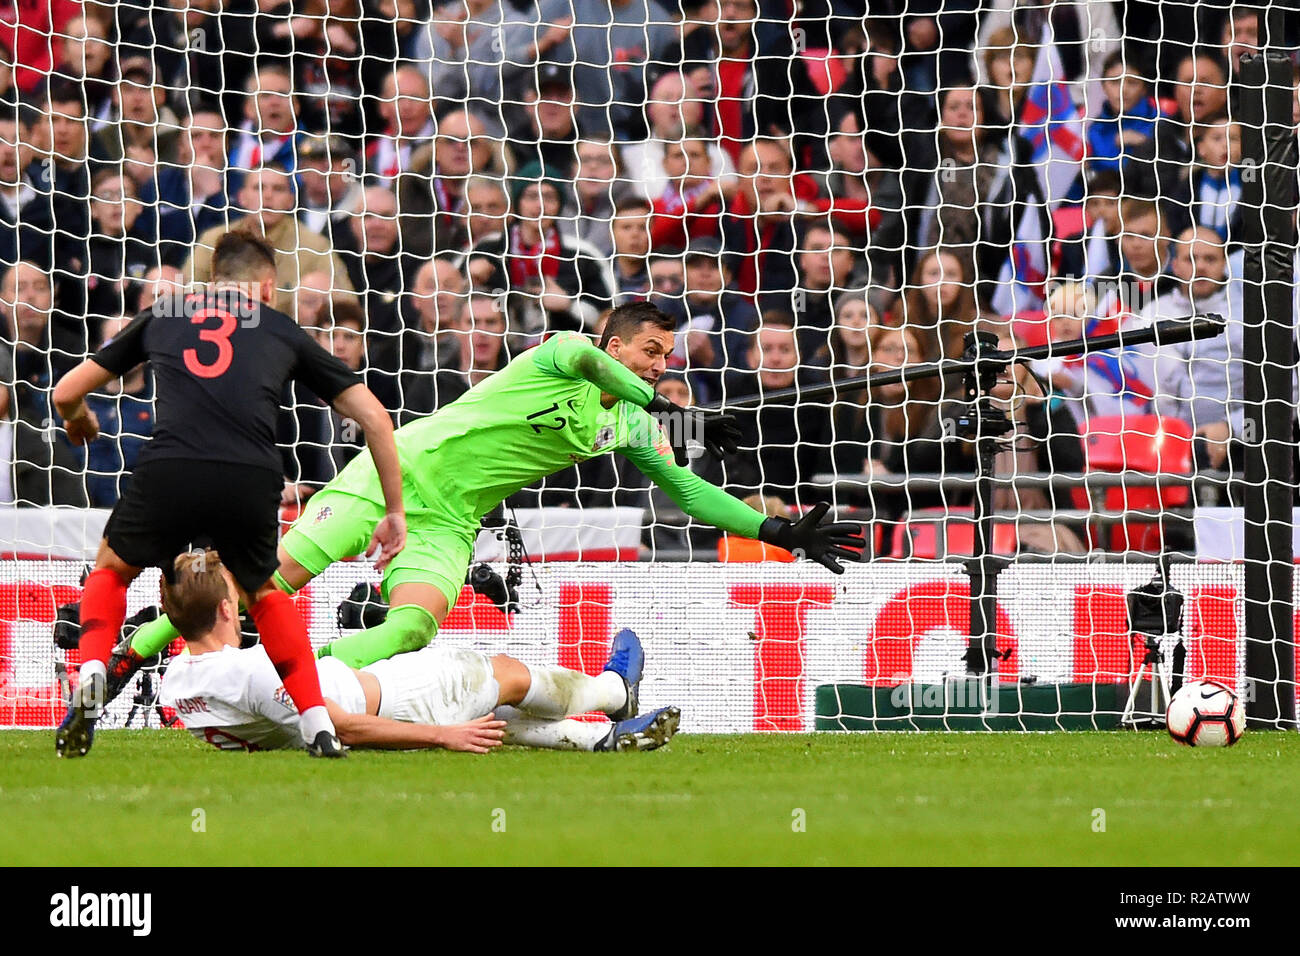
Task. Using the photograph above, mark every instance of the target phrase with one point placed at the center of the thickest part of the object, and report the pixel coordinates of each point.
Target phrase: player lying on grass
(562, 402)
(211, 472)
(435, 697)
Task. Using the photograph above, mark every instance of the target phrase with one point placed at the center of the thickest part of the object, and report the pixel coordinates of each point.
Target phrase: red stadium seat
(1149, 444)
(919, 536)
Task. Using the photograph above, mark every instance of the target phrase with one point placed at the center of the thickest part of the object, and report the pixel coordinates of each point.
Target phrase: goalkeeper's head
(640, 336)
(201, 601)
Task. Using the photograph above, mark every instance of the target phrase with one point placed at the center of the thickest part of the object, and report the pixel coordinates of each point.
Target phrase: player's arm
(70, 400)
(364, 730)
(704, 501)
(339, 385)
(573, 356)
(115, 358)
(359, 404)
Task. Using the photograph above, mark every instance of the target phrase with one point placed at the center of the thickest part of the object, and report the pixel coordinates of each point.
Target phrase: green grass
(901, 799)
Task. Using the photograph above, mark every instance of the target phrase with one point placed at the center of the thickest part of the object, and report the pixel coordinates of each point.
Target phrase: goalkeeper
(563, 402)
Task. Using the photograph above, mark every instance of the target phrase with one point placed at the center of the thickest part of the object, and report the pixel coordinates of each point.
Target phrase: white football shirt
(235, 700)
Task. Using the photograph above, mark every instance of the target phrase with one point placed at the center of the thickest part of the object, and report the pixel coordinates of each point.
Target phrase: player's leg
(248, 548)
(284, 637)
(417, 612)
(103, 607)
(525, 731)
(647, 732)
(142, 531)
(103, 610)
(422, 584)
(442, 685)
(552, 691)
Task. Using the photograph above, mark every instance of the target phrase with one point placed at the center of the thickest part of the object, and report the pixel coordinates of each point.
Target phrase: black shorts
(174, 504)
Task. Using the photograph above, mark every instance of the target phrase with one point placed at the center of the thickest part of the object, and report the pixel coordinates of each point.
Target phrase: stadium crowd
(813, 193)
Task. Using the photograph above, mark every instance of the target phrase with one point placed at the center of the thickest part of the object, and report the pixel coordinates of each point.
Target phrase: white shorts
(436, 685)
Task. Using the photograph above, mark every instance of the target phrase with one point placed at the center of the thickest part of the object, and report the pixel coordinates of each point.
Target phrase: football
(1205, 714)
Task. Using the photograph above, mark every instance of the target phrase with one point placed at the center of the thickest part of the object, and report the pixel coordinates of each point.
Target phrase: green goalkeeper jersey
(538, 415)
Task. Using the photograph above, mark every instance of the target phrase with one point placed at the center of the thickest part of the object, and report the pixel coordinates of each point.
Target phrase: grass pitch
(161, 798)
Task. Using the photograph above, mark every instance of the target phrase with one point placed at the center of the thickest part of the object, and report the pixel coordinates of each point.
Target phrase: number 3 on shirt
(220, 337)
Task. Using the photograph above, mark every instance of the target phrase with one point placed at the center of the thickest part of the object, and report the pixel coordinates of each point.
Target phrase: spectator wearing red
(555, 283)
(28, 28)
(407, 112)
(759, 225)
(690, 206)
(674, 109)
(435, 186)
(752, 91)
(270, 130)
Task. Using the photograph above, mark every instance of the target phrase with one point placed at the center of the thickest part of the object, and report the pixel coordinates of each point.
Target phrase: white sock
(93, 667)
(313, 720)
(91, 708)
(560, 692)
(525, 731)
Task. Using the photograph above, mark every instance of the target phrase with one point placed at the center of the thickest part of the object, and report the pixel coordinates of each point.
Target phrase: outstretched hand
(476, 737)
(718, 432)
(389, 538)
(826, 544)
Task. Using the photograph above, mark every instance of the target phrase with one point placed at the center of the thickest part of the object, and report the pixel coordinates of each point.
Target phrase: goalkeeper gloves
(809, 538)
(717, 431)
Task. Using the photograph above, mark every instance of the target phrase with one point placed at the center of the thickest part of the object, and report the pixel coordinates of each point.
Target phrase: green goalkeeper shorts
(336, 525)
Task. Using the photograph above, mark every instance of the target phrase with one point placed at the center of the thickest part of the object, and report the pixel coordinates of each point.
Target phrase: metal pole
(994, 361)
(1269, 360)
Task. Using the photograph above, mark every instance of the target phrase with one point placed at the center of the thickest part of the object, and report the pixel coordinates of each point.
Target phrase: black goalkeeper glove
(808, 538)
(717, 431)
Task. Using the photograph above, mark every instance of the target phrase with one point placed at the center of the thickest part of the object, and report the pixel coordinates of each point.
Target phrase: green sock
(150, 639)
(407, 628)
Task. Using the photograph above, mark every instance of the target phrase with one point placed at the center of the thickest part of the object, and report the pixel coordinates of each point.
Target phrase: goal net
(814, 191)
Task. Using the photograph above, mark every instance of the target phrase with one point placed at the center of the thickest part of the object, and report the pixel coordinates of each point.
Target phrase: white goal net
(814, 190)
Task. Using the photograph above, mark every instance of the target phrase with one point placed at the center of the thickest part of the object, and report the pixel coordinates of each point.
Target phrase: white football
(1206, 714)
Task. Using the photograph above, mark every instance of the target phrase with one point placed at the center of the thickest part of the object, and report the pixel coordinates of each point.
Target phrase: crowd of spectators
(810, 194)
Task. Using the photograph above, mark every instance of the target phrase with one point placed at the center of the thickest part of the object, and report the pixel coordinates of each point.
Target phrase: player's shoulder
(275, 320)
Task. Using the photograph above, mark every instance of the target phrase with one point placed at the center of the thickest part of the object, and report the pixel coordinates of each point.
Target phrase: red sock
(284, 635)
(103, 609)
